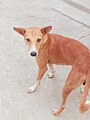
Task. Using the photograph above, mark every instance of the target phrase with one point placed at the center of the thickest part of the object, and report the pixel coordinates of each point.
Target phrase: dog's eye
(39, 39)
(27, 39)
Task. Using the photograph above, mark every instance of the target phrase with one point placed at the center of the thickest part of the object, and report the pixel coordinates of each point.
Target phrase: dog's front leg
(34, 87)
(39, 77)
(51, 70)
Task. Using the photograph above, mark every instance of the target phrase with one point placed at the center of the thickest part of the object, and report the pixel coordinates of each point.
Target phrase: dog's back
(65, 50)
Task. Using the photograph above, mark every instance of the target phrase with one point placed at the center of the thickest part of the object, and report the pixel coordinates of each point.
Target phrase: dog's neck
(46, 44)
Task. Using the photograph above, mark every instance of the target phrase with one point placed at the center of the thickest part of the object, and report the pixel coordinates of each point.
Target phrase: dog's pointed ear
(20, 30)
(46, 30)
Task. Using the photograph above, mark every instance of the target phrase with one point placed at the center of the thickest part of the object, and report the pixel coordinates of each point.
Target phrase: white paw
(31, 89)
(34, 87)
(50, 75)
(87, 102)
(88, 99)
(55, 111)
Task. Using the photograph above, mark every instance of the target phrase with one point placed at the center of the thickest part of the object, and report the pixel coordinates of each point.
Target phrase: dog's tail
(84, 104)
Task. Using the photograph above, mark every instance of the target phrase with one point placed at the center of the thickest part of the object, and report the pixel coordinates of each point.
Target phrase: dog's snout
(33, 53)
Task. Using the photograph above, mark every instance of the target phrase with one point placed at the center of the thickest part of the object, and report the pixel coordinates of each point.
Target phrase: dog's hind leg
(71, 83)
(82, 87)
(84, 104)
(51, 70)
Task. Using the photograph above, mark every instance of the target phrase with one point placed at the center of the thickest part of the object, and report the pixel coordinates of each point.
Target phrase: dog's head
(34, 37)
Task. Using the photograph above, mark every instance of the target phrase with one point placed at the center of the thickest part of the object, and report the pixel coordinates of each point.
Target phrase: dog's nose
(33, 54)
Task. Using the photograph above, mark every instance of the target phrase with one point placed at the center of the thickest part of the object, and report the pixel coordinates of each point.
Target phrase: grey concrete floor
(18, 70)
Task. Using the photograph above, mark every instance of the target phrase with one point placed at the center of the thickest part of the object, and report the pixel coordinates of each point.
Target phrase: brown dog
(56, 49)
